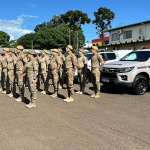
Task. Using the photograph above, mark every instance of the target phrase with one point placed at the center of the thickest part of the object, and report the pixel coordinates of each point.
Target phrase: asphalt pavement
(118, 120)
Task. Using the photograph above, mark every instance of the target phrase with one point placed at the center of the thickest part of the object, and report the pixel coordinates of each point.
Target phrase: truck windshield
(137, 56)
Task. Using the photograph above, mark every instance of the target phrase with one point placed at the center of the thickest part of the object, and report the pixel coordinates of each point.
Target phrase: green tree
(43, 26)
(48, 39)
(103, 18)
(26, 40)
(4, 39)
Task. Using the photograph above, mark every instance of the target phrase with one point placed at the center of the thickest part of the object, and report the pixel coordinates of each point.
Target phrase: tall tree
(26, 40)
(4, 39)
(103, 18)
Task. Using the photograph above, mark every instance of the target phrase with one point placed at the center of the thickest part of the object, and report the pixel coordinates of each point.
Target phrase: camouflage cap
(20, 47)
(60, 50)
(55, 50)
(70, 47)
(6, 49)
(46, 51)
(81, 50)
(95, 48)
(12, 50)
(31, 51)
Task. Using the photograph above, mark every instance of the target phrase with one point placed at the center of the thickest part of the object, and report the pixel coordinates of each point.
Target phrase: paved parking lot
(118, 120)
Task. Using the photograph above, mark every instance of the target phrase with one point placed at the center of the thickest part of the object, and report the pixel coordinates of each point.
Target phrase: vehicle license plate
(105, 80)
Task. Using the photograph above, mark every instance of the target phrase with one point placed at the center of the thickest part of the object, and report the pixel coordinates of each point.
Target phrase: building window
(115, 37)
(127, 34)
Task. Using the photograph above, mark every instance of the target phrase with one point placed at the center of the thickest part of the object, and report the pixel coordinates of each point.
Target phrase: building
(98, 42)
(133, 36)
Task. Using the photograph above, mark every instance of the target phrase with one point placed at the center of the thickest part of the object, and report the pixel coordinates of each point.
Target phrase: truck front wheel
(140, 85)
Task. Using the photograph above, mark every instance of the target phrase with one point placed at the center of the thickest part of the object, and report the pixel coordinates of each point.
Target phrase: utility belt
(19, 69)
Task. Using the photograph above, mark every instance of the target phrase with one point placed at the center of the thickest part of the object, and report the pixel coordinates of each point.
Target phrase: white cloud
(31, 5)
(15, 28)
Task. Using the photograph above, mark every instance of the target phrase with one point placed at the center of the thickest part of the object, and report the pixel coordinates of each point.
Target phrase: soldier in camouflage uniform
(4, 69)
(70, 67)
(39, 72)
(11, 67)
(82, 69)
(54, 67)
(62, 60)
(44, 68)
(32, 72)
(1, 53)
(20, 71)
(96, 64)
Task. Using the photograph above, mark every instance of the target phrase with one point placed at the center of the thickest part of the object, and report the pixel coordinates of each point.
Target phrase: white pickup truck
(133, 70)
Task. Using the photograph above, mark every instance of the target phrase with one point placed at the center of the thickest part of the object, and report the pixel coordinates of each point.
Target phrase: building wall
(134, 46)
(139, 32)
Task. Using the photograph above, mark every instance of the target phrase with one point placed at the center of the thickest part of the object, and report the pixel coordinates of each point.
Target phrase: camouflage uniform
(96, 60)
(45, 73)
(0, 71)
(61, 72)
(4, 70)
(54, 67)
(71, 66)
(32, 72)
(11, 66)
(82, 69)
(39, 73)
(20, 72)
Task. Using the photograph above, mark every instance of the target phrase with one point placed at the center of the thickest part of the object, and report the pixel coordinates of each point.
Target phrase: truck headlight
(127, 69)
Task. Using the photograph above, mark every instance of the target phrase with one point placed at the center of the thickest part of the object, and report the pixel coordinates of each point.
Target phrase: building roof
(130, 25)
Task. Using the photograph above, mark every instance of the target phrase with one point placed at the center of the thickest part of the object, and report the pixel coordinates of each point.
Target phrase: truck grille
(108, 75)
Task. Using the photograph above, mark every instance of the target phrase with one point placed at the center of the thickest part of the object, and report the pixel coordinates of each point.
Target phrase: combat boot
(54, 95)
(4, 92)
(93, 95)
(69, 100)
(66, 99)
(18, 99)
(43, 92)
(97, 95)
(78, 92)
(31, 105)
(10, 95)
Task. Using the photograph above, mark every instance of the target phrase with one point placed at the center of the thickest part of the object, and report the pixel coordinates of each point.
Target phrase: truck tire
(140, 85)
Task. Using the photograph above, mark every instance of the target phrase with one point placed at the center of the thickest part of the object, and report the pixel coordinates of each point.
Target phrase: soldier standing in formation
(11, 67)
(82, 69)
(20, 72)
(45, 73)
(32, 72)
(54, 67)
(96, 60)
(70, 67)
(62, 60)
(4, 69)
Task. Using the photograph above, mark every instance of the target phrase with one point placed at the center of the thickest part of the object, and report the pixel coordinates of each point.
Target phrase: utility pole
(67, 27)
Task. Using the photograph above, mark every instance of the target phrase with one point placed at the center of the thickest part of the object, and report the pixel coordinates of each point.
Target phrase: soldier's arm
(58, 62)
(74, 61)
(100, 59)
(35, 69)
